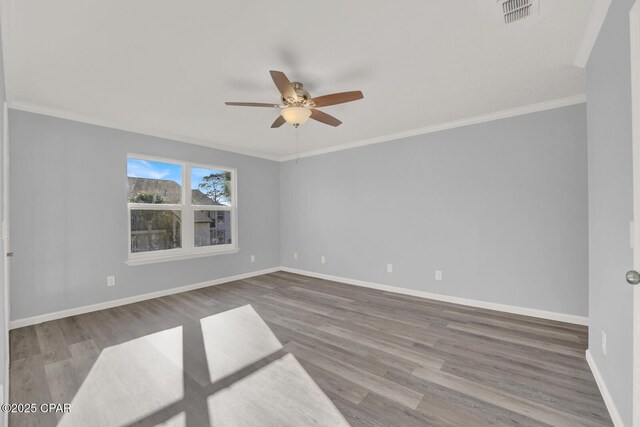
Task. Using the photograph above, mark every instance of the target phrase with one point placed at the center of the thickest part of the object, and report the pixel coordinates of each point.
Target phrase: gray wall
(499, 207)
(611, 204)
(69, 216)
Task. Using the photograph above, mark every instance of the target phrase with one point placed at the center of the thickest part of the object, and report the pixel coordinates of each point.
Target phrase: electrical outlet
(323, 260)
(253, 258)
(111, 280)
(295, 255)
(604, 343)
(389, 268)
(438, 275)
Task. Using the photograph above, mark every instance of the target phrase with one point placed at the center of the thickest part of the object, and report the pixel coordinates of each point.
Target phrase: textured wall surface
(499, 207)
(69, 215)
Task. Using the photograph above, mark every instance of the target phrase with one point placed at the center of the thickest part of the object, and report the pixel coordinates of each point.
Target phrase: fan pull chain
(297, 144)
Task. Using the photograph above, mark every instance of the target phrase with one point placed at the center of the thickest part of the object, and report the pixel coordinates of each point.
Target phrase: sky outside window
(138, 168)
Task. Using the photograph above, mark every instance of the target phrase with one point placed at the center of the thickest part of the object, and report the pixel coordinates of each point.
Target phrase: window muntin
(178, 208)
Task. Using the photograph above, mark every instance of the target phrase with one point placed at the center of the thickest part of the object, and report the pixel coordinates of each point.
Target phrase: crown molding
(519, 111)
(150, 132)
(591, 32)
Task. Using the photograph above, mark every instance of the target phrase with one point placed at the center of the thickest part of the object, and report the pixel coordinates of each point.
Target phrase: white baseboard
(560, 317)
(129, 300)
(604, 391)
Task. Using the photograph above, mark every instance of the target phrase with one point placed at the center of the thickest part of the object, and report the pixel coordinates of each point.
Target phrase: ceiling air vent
(516, 10)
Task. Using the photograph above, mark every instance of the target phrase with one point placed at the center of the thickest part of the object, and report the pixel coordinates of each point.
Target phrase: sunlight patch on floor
(130, 381)
(179, 420)
(144, 379)
(236, 339)
(279, 394)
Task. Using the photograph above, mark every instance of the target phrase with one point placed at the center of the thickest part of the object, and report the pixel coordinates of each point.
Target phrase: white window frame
(187, 210)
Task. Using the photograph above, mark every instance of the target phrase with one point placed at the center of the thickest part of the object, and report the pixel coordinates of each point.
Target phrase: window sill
(154, 260)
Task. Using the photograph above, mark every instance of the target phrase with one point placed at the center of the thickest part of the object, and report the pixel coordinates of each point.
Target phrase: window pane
(212, 228)
(210, 187)
(154, 182)
(153, 230)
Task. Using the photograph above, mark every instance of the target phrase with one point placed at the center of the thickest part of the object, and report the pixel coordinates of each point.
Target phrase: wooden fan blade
(252, 104)
(284, 85)
(278, 122)
(338, 98)
(325, 118)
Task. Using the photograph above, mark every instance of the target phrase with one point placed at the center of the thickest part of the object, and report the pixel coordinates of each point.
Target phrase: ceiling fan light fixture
(296, 115)
(298, 105)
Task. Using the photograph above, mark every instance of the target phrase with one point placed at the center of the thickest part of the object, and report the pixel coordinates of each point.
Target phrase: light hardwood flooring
(383, 359)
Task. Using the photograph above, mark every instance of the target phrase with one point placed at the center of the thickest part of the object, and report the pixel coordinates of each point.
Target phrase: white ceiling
(166, 67)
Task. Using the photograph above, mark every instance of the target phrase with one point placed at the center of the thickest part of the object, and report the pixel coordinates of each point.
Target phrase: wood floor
(383, 359)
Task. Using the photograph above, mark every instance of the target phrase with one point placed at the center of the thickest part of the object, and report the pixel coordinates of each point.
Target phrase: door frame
(634, 31)
(5, 239)
(6, 247)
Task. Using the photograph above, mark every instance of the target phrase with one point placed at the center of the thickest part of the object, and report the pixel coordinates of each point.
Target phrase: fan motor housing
(301, 91)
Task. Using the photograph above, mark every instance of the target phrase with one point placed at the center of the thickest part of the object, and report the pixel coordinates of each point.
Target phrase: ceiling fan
(298, 105)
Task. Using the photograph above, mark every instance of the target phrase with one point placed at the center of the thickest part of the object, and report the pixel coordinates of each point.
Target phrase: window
(178, 209)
